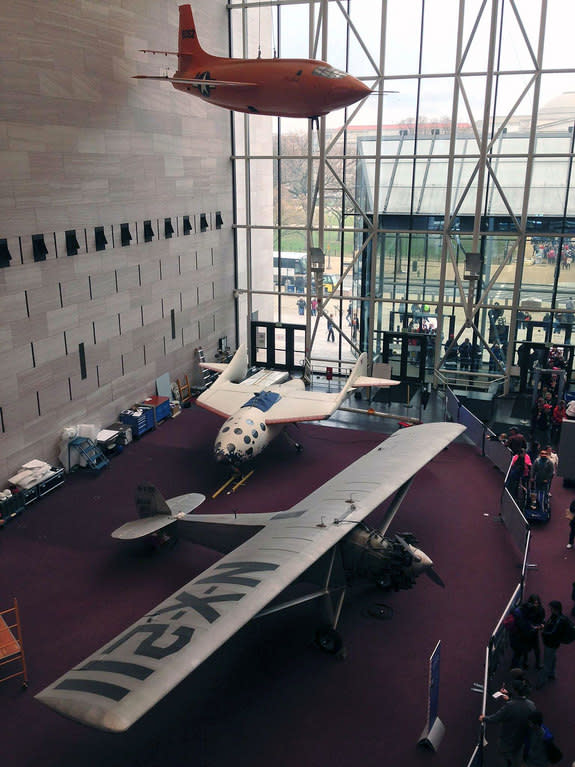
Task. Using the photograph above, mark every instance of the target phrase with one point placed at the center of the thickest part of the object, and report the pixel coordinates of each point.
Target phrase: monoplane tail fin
(150, 501)
(154, 513)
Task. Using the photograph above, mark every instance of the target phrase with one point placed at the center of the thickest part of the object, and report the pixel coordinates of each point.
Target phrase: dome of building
(558, 113)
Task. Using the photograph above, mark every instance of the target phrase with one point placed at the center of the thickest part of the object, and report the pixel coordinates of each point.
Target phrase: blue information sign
(434, 664)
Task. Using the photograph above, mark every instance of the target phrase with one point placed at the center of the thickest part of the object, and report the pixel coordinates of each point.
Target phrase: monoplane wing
(119, 683)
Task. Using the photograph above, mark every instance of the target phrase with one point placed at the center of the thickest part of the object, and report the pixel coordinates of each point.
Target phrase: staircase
(95, 458)
(208, 376)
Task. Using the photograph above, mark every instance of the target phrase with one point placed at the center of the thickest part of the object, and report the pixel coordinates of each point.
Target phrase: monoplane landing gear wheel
(292, 441)
(384, 582)
(329, 641)
(380, 611)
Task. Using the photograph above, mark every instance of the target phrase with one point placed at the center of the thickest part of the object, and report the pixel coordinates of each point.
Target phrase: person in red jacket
(557, 416)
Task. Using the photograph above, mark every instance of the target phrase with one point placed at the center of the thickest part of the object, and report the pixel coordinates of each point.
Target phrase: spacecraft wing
(224, 398)
(296, 406)
(305, 405)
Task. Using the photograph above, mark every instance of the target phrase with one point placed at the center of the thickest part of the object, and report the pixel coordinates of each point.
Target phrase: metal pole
(522, 238)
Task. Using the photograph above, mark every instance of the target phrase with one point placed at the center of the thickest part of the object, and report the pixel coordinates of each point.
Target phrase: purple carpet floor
(268, 697)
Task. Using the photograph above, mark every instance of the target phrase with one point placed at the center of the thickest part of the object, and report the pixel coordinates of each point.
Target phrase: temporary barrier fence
(518, 527)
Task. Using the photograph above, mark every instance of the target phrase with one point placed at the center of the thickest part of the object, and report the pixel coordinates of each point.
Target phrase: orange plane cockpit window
(330, 72)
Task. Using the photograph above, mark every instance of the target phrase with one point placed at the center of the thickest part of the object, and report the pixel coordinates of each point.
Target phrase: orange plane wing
(199, 81)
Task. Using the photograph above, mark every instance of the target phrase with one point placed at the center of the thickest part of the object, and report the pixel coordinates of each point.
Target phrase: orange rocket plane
(280, 87)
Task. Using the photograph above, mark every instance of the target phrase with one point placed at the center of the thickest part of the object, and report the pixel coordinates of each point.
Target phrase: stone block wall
(86, 152)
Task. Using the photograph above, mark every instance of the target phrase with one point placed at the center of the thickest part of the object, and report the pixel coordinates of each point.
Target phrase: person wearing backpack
(554, 633)
(514, 724)
(540, 747)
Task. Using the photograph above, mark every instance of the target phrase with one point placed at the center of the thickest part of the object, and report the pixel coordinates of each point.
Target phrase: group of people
(468, 356)
(301, 306)
(549, 363)
(461, 354)
(532, 468)
(546, 418)
(352, 320)
(523, 737)
(546, 251)
(527, 627)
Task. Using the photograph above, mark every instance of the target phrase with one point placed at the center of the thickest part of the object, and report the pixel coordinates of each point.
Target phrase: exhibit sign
(434, 729)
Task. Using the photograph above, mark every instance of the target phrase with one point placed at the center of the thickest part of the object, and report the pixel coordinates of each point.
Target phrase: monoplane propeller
(435, 577)
(428, 570)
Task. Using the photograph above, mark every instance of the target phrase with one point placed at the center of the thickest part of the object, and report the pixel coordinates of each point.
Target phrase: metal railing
(518, 527)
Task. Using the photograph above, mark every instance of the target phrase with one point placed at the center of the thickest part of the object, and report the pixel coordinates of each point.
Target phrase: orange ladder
(11, 646)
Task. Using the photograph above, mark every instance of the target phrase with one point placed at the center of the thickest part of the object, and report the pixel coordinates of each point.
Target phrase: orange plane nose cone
(349, 91)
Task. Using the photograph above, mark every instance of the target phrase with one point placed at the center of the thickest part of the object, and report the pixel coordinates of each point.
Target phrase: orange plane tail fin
(188, 43)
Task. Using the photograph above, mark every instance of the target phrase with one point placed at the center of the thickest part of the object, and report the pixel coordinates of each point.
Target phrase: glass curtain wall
(442, 204)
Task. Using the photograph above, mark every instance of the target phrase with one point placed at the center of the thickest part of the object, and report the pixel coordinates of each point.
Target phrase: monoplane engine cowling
(391, 563)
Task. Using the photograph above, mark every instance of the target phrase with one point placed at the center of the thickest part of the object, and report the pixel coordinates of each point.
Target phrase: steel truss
(481, 186)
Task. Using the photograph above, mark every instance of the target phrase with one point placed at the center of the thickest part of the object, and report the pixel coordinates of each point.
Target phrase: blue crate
(139, 424)
(163, 411)
(149, 417)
